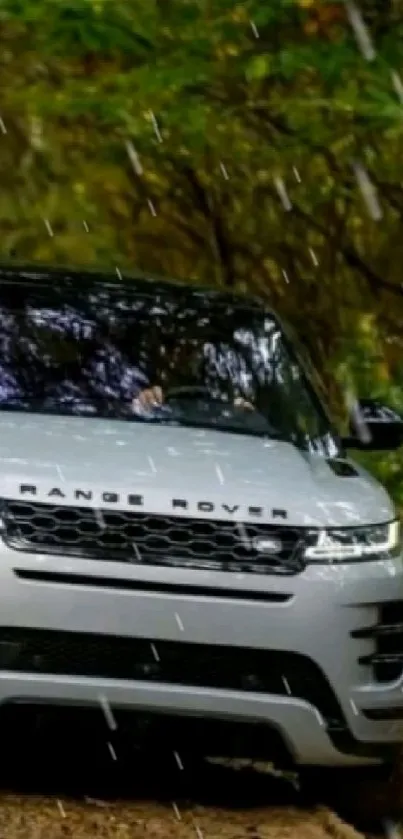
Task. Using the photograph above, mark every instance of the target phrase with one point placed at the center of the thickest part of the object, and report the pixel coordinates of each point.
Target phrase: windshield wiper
(180, 422)
(269, 434)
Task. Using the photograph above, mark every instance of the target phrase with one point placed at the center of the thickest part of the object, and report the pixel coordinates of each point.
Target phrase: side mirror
(374, 427)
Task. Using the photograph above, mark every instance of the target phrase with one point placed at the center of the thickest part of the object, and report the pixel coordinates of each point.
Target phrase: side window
(306, 362)
(306, 394)
(289, 376)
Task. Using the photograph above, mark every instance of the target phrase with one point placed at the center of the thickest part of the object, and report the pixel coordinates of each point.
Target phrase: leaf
(258, 68)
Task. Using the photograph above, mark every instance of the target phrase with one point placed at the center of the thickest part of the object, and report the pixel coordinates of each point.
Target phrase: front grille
(169, 662)
(387, 659)
(150, 539)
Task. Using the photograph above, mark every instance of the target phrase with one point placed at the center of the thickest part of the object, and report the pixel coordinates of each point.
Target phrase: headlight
(352, 543)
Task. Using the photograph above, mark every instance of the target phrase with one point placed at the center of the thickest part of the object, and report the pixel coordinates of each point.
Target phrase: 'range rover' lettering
(135, 500)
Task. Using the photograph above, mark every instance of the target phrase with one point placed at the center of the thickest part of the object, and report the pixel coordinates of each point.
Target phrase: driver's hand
(239, 402)
(152, 397)
(148, 398)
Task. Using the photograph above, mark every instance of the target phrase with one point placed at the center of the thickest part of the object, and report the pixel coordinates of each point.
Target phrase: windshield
(95, 351)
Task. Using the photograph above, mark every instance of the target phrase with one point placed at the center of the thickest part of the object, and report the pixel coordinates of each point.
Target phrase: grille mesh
(150, 539)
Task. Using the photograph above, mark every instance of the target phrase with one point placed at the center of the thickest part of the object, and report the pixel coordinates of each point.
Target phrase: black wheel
(363, 796)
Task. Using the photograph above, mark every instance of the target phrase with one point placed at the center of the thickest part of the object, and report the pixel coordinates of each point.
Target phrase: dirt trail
(60, 789)
(69, 783)
(23, 817)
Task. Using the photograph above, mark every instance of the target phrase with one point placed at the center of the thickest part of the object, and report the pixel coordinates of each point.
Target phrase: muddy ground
(71, 785)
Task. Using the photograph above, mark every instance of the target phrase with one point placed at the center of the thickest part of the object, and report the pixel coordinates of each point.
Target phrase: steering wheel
(190, 392)
(216, 406)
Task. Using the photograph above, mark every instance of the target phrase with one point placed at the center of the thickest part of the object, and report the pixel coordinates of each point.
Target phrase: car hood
(166, 469)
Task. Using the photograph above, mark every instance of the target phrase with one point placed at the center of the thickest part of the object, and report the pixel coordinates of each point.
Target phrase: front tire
(362, 796)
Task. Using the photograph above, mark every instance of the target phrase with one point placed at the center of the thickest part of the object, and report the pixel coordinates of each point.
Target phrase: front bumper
(319, 617)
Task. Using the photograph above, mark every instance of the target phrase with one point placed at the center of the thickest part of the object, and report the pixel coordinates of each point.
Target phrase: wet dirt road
(70, 785)
(37, 818)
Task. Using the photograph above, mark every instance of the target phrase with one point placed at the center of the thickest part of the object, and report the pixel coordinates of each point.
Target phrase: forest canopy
(247, 145)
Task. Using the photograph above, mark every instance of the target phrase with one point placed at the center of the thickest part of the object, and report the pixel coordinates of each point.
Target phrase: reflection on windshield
(95, 351)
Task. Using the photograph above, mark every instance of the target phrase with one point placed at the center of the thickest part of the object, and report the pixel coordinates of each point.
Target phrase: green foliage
(223, 102)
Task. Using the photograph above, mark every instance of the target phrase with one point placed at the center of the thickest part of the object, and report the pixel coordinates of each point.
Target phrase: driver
(152, 395)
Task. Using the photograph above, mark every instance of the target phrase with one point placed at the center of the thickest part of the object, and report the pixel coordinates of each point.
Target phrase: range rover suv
(182, 534)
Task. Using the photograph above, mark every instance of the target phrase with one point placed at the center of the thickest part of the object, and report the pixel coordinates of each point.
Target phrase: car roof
(69, 278)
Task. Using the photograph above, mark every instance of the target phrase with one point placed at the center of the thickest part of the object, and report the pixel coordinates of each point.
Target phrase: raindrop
(219, 474)
(48, 227)
(156, 127)
(112, 751)
(110, 719)
(85, 226)
(61, 808)
(176, 811)
(254, 29)
(136, 550)
(281, 189)
(285, 275)
(199, 832)
(179, 622)
(134, 158)
(224, 171)
(240, 527)
(354, 707)
(368, 192)
(398, 85)
(155, 652)
(357, 418)
(297, 176)
(151, 206)
(361, 31)
(3, 128)
(178, 760)
(286, 685)
(99, 519)
(152, 465)
(314, 257)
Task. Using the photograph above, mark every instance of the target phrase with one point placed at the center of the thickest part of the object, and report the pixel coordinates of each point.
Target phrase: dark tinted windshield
(92, 349)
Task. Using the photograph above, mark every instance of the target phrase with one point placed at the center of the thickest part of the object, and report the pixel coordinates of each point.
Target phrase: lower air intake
(387, 659)
(169, 662)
